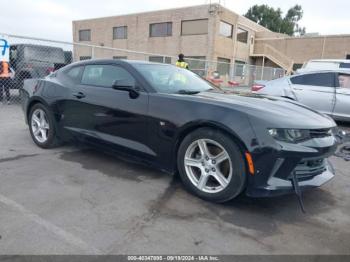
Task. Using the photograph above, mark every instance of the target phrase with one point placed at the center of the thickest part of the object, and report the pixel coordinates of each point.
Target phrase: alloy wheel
(40, 125)
(208, 166)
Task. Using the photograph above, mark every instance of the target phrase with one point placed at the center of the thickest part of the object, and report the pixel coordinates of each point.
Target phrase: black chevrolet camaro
(220, 143)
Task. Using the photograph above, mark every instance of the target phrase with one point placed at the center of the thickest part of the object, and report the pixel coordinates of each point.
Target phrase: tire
(225, 180)
(50, 139)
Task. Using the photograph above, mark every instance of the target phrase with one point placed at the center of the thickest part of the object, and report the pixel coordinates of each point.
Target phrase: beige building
(302, 49)
(206, 32)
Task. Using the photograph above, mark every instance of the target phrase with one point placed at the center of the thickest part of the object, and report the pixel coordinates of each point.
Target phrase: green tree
(272, 19)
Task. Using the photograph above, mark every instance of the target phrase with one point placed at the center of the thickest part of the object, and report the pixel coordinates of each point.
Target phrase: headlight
(289, 135)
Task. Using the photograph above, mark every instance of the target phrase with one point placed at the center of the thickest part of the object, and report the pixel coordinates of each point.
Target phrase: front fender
(242, 133)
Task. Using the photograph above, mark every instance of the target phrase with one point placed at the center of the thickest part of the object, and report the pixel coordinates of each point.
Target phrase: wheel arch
(53, 138)
(32, 102)
(214, 125)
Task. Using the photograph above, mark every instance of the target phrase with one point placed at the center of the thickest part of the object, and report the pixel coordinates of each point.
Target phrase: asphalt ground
(78, 200)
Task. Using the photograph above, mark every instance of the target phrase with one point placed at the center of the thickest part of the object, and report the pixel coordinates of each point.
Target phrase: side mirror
(127, 86)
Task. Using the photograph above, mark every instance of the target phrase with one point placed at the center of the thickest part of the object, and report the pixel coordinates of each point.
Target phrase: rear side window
(343, 81)
(105, 75)
(74, 74)
(320, 79)
(344, 65)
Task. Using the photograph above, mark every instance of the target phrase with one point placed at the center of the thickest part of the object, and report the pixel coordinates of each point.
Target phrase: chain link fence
(37, 58)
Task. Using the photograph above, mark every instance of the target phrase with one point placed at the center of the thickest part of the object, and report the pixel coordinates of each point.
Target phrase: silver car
(325, 91)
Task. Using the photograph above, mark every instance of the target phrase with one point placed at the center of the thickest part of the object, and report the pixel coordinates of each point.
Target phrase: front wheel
(211, 165)
(42, 127)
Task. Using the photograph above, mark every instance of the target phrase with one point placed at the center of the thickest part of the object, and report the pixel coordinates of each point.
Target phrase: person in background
(181, 62)
(344, 81)
(5, 81)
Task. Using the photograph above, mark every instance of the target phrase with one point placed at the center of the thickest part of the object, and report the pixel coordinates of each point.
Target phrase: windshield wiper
(188, 92)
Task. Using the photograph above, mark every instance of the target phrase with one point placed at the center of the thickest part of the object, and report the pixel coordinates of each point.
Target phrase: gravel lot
(76, 200)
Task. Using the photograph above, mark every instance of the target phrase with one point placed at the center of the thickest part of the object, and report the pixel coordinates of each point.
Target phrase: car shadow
(260, 214)
(110, 164)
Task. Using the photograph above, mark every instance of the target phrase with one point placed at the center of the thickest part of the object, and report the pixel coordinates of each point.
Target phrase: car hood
(274, 111)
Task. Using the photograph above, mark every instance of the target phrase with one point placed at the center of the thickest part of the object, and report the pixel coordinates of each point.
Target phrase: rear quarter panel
(40, 90)
(279, 87)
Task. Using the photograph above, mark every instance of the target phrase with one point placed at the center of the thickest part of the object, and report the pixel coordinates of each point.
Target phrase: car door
(316, 90)
(107, 116)
(342, 104)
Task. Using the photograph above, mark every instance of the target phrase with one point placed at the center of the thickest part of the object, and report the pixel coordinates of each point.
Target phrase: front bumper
(277, 186)
(276, 165)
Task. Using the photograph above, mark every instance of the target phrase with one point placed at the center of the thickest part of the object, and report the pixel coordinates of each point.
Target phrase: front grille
(320, 133)
(307, 169)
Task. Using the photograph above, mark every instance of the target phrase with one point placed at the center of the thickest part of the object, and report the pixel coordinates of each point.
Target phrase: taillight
(257, 87)
(233, 83)
(50, 70)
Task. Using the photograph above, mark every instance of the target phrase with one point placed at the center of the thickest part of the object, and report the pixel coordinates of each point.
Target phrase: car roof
(116, 61)
(331, 60)
(339, 70)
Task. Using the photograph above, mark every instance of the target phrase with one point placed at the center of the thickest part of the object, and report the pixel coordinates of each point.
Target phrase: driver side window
(317, 79)
(105, 75)
(343, 81)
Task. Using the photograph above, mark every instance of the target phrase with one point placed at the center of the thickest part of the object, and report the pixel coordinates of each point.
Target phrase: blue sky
(53, 18)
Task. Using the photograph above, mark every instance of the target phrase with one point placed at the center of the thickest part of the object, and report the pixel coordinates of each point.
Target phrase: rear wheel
(211, 165)
(42, 127)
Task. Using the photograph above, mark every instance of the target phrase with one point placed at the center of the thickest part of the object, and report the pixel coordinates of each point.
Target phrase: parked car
(324, 91)
(221, 143)
(34, 61)
(324, 64)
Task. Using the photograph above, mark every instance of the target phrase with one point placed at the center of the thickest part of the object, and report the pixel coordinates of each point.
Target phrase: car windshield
(172, 80)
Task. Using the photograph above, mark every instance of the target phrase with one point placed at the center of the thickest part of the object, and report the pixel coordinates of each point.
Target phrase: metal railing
(36, 58)
(263, 49)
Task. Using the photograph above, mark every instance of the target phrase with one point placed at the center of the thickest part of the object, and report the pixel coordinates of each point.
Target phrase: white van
(324, 64)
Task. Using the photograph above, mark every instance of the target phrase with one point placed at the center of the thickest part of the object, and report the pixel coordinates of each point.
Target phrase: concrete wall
(269, 34)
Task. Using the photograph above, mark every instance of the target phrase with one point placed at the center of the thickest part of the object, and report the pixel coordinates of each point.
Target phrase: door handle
(79, 95)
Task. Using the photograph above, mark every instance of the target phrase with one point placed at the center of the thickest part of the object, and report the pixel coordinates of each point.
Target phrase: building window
(120, 57)
(194, 27)
(239, 68)
(226, 29)
(242, 35)
(85, 58)
(160, 29)
(297, 66)
(223, 66)
(160, 59)
(120, 32)
(197, 65)
(85, 35)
